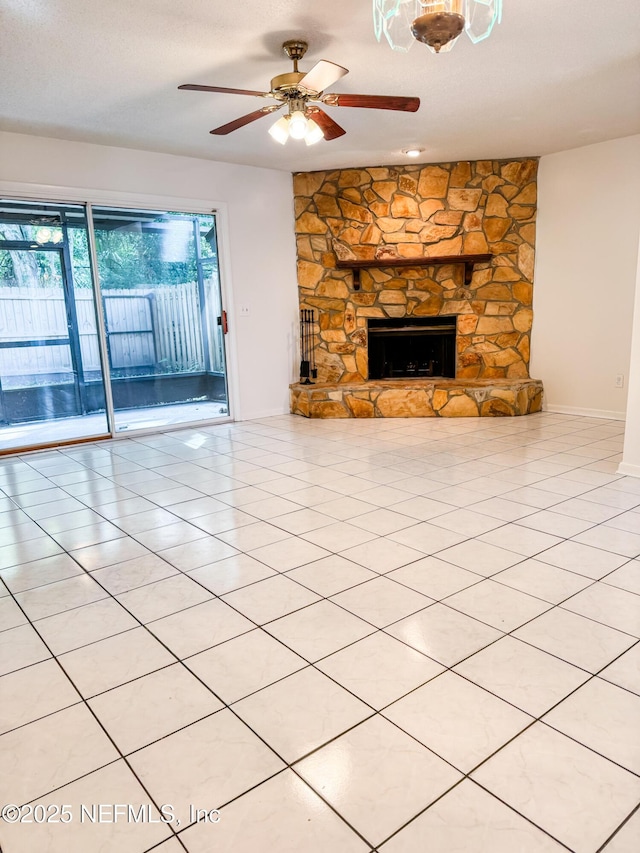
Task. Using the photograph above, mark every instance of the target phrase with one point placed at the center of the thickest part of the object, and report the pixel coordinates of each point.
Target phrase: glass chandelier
(436, 23)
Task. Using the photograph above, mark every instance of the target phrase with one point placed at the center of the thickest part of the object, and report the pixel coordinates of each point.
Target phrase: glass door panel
(161, 301)
(51, 385)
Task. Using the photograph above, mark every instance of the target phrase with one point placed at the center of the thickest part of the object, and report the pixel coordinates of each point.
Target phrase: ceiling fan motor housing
(286, 83)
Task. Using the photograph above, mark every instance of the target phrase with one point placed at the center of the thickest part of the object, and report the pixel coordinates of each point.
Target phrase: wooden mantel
(379, 263)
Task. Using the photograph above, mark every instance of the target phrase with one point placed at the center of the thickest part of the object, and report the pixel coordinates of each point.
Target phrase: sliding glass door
(150, 329)
(163, 316)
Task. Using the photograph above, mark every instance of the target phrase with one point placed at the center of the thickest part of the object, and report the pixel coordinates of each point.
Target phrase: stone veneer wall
(417, 211)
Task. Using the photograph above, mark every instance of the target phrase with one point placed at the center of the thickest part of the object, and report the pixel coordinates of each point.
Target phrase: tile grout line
(225, 705)
(379, 575)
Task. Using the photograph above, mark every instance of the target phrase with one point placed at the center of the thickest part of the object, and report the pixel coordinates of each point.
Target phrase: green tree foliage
(152, 254)
(139, 254)
(129, 259)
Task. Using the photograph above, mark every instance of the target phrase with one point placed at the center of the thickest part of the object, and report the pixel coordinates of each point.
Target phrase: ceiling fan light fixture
(314, 132)
(297, 125)
(43, 235)
(280, 130)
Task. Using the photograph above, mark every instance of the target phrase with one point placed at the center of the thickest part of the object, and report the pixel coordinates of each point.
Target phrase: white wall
(631, 456)
(586, 254)
(260, 253)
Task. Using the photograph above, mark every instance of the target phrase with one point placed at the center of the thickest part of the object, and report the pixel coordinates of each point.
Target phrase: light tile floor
(390, 635)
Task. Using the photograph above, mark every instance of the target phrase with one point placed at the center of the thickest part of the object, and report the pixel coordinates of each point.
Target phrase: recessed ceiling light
(413, 152)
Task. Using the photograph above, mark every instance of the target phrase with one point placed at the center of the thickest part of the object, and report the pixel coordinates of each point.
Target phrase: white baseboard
(256, 416)
(628, 469)
(585, 413)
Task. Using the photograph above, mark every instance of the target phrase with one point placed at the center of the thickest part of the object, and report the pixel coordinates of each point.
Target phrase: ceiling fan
(300, 91)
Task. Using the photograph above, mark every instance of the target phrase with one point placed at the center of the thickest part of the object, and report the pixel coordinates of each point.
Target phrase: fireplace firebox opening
(418, 347)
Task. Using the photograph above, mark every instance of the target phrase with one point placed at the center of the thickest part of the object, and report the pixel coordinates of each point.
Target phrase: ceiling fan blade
(196, 87)
(240, 122)
(327, 125)
(322, 75)
(373, 102)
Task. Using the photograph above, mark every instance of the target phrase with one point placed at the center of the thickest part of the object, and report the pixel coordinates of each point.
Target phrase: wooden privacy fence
(151, 330)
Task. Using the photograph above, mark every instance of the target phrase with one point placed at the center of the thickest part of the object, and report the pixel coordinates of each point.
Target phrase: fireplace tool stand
(308, 370)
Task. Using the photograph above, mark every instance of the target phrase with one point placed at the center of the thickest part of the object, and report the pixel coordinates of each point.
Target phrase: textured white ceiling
(556, 74)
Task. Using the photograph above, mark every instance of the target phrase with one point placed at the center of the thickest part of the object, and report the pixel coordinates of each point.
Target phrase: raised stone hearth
(418, 398)
(383, 243)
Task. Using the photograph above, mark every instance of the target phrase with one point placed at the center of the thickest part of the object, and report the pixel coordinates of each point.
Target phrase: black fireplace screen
(411, 347)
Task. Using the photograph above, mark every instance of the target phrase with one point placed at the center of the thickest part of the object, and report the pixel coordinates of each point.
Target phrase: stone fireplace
(421, 279)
